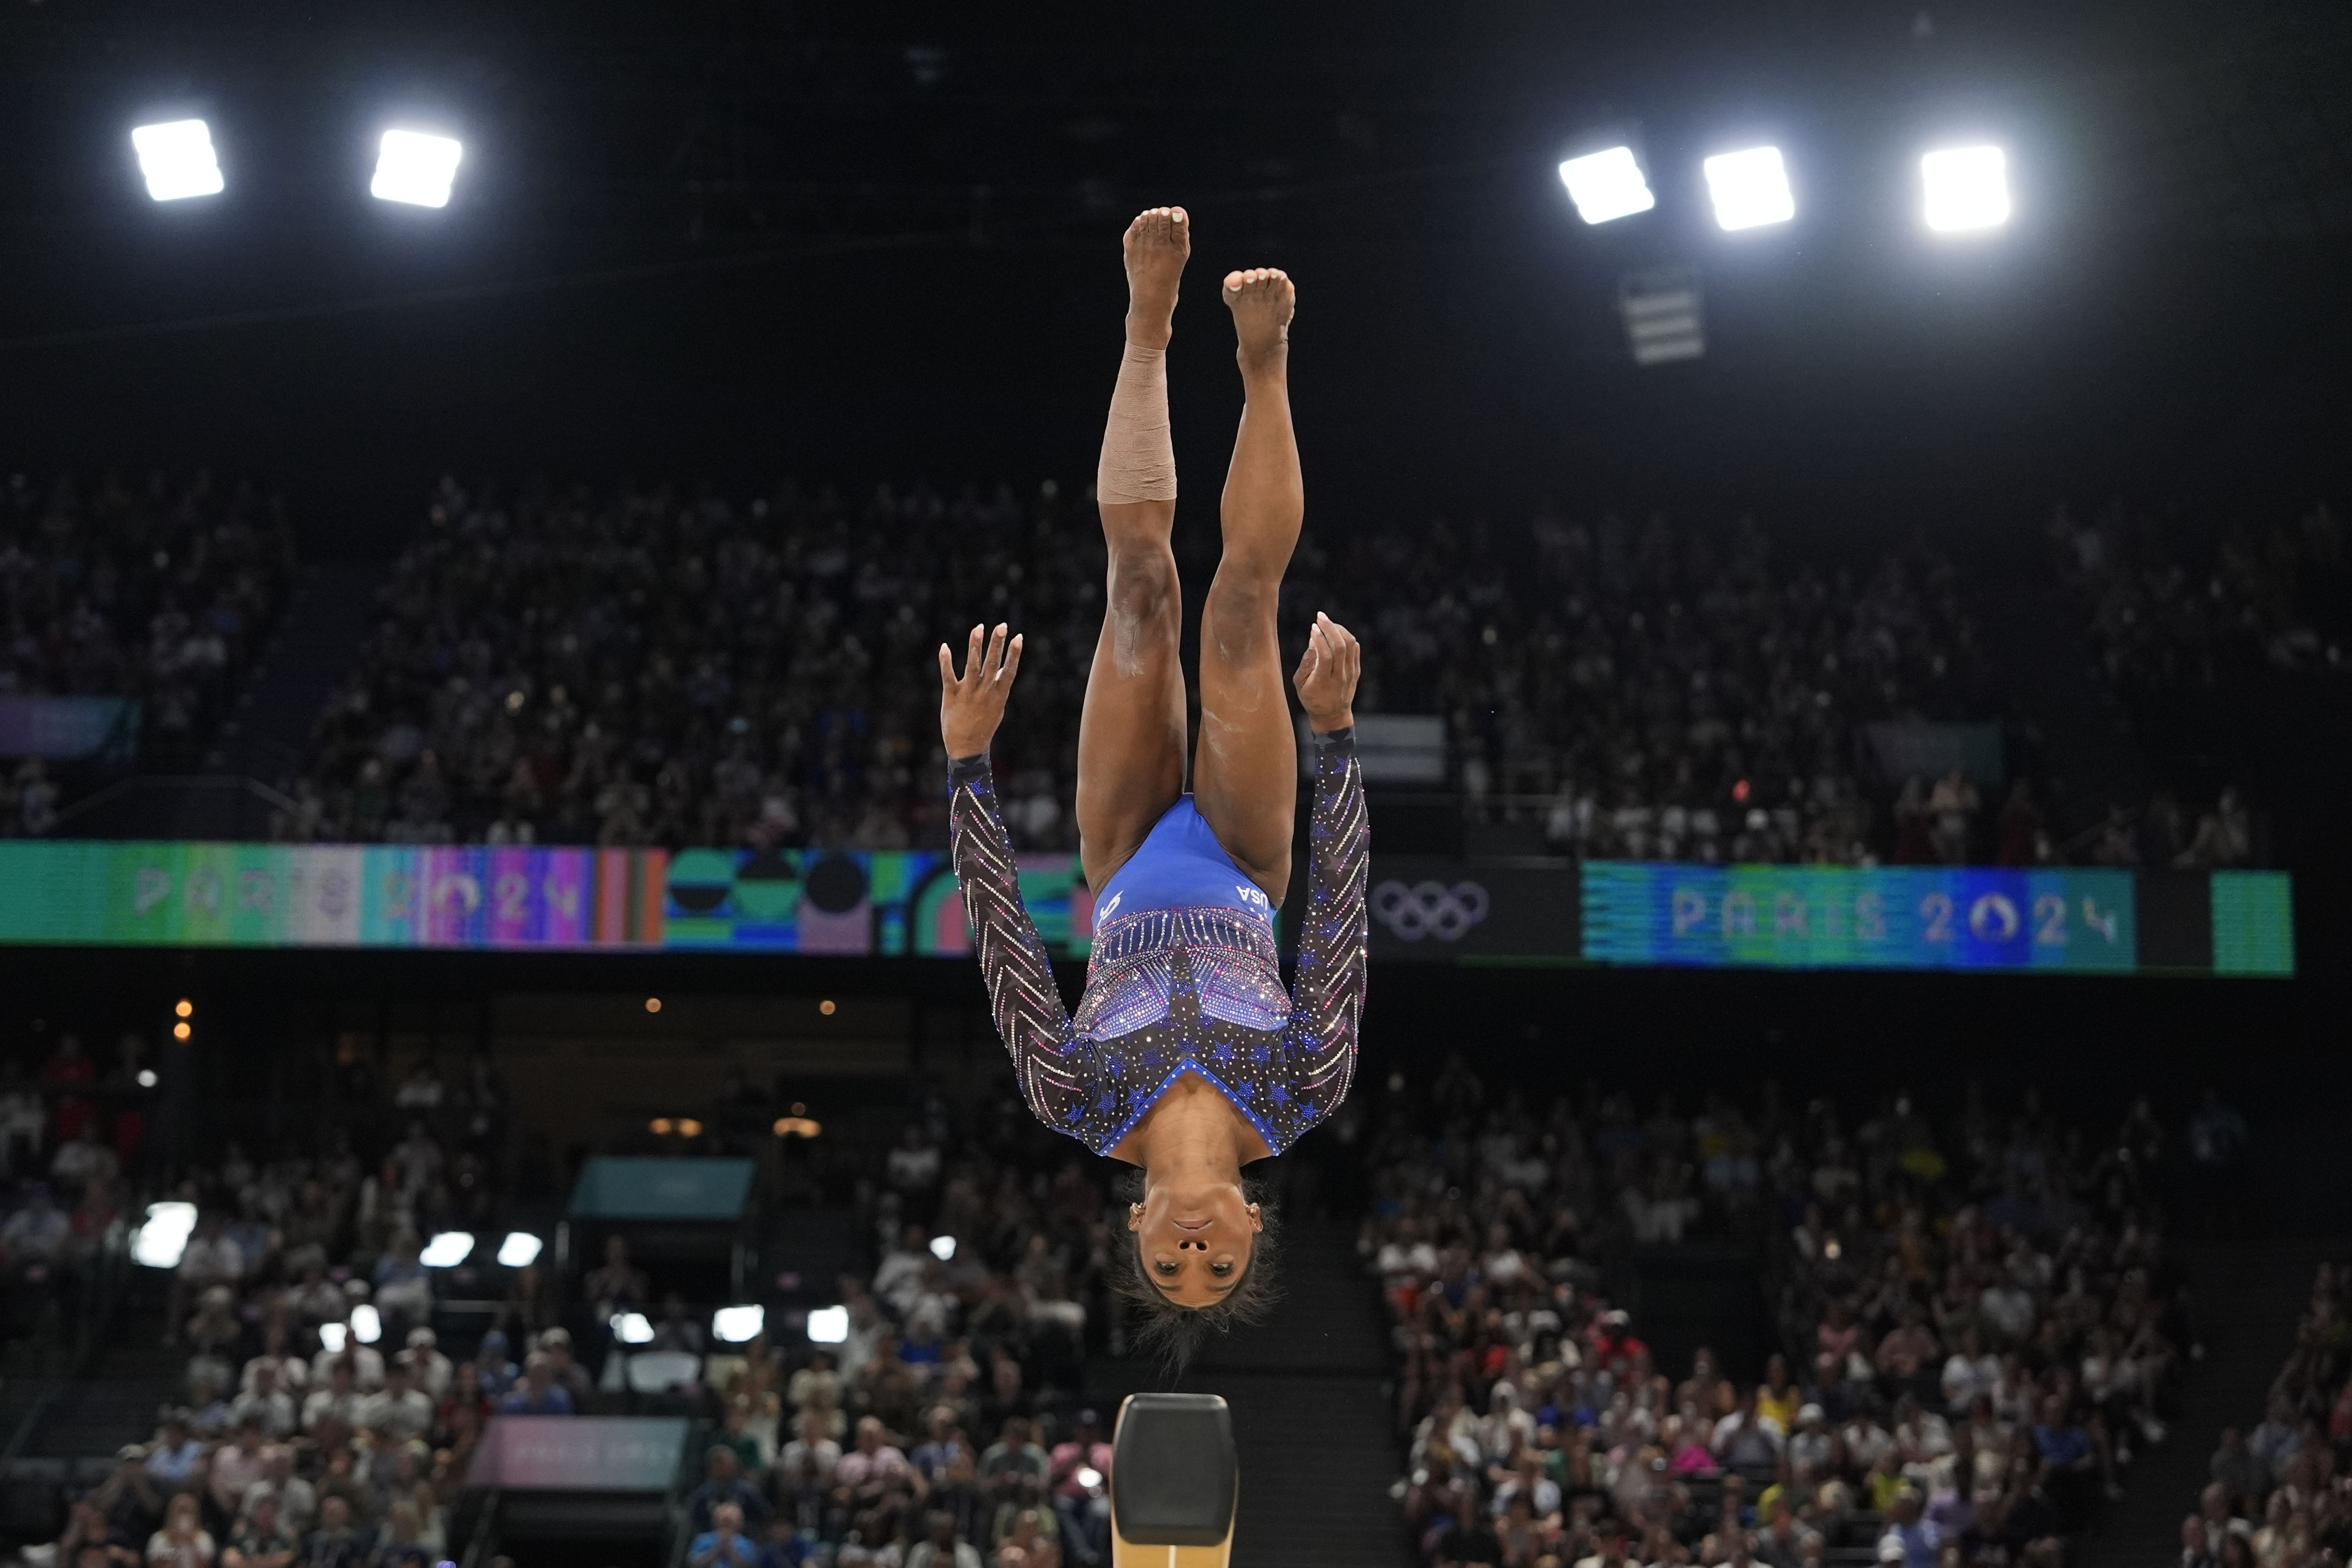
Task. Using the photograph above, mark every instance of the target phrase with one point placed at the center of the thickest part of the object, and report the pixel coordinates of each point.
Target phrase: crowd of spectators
(2278, 1495)
(2177, 606)
(654, 668)
(1977, 1327)
(314, 1414)
(942, 1430)
(157, 591)
(1673, 692)
(659, 668)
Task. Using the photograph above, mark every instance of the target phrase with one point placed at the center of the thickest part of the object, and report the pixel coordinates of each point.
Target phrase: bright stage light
(1967, 188)
(163, 1235)
(739, 1325)
(632, 1328)
(178, 160)
(1750, 188)
(367, 1326)
(520, 1249)
(828, 1325)
(447, 1249)
(1606, 185)
(943, 1248)
(415, 168)
(333, 1337)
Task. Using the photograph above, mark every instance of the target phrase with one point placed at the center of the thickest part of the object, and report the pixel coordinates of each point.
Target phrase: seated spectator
(723, 1545)
(260, 1539)
(723, 1484)
(539, 1393)
(182, 1542)
(874, 1463)
(941, 1547)
(336, 1542)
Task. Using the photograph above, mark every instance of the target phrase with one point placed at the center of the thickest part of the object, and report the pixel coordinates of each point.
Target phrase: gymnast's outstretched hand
(972, 705)
(1326, 674)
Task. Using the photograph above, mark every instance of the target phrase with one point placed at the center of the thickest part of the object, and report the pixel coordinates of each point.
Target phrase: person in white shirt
(267, 1403)
(338, 1399)
(397, 1407)
(209, 1259)
(1968, 1371)
(431, 1369)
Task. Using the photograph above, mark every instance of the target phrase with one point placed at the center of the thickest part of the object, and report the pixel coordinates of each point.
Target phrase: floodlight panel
(520, 1249)
(163, 1235)
(633, 1329)
(415, 168)
(177, 160)
(367, 1325)
(828, 1325)
(943, 1247)
(447, 1249)
(1750, 188)
(1606, 185)
(333, 1337)
(1967, 188)
(739, 1325)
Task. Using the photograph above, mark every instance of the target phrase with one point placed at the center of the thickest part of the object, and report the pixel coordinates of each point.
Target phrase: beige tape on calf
(1139, 454)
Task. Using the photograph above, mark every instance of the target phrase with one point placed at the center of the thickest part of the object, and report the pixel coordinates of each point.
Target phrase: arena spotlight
(943, 1248)
(632, 1328)
(163, 1235)
(367, 1324)
(1750, 188)
(178, 160)
(447, 1249)
(1967, 188)
(828, 1325)
(1606, 185)
(740, 1325)
(520, 1249)
(414, 168)
(333, 1337)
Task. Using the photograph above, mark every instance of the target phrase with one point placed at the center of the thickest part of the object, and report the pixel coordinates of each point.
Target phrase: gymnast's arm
(1023, 997)
(1328, 996)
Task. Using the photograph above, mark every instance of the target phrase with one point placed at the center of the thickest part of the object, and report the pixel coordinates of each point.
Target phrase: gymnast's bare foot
(1261, 300)
(1157, 243)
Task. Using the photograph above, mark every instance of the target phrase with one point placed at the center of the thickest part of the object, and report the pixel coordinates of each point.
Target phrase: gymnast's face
(1193, 1242)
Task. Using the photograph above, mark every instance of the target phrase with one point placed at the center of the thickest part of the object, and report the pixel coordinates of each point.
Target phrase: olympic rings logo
(1429, 909)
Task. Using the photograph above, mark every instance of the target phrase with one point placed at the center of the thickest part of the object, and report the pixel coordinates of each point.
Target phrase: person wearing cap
(565, 1368)
(491, 1367)
(1910, 1539)
(1083, 1508)
(173, 1458)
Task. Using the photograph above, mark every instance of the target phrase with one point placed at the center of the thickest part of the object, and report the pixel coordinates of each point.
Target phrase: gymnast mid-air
(1186, 1056)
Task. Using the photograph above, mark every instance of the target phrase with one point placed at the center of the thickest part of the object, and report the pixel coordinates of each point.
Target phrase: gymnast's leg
(1245, 772)
(1131, 730)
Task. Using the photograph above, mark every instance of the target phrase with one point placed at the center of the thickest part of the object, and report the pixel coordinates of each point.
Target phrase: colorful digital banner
(904, 903)
(1906, 917)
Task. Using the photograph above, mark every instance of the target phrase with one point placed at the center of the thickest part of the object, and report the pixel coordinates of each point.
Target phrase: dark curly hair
(1170, 1331)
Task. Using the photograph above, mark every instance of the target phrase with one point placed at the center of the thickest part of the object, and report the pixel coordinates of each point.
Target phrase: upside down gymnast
(1186, 1056)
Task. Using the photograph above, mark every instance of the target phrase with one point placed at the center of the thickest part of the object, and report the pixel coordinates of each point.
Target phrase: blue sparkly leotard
(1184, 975)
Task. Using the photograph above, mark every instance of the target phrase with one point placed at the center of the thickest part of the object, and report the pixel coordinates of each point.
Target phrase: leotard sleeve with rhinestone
(1023, 998)
(1327, 997)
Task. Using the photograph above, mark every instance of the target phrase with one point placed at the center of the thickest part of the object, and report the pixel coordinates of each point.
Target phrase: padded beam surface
(1174, 1473)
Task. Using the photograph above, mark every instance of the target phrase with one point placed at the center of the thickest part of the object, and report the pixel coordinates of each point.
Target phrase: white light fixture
(412, 167)
(1606, 185)
(333, 1337)
(163, 1235)
(739, 1325)
(828, 1325)
(1750, 188)
(366, 1326)
(1663, 313)
(1967, 188)
(632, 1328)
(178, 160)
(146, 1077)
(943, 1248)
(447, 1249)
(520, 1249)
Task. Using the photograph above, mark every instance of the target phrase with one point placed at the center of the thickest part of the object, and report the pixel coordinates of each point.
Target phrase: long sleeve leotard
(1172, 990)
